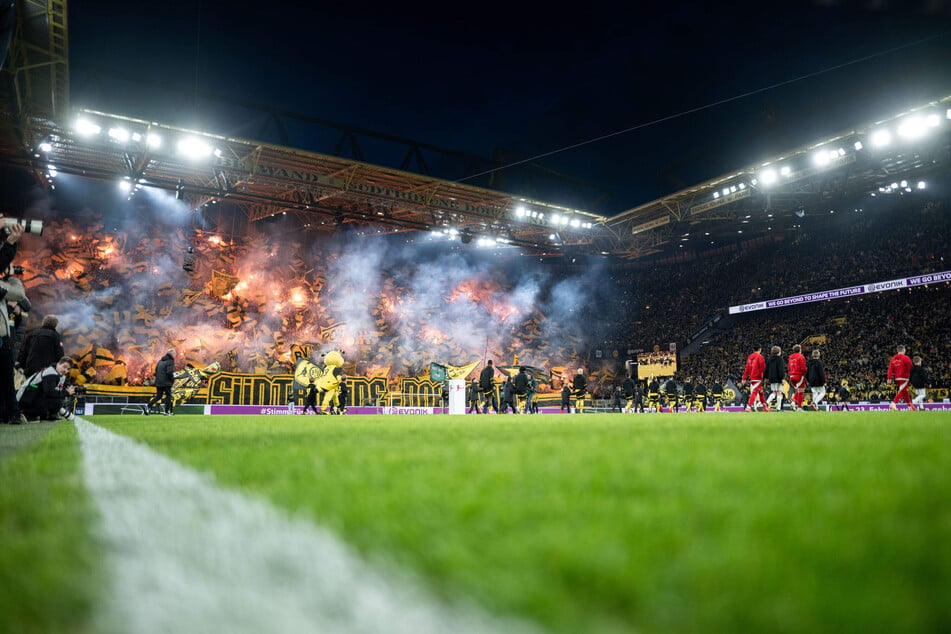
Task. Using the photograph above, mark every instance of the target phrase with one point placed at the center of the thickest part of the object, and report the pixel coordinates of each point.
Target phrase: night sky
(753, 80)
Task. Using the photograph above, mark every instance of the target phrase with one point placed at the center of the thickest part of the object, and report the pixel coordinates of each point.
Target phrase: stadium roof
(38, 130)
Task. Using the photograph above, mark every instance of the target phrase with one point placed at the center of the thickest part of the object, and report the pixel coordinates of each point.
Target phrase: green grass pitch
(788, 522)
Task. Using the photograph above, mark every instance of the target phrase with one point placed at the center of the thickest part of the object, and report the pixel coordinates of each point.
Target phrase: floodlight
(136, 137)
(921, 185)
(904, 183)
(785, 170)
(821, 158)
(520, 211)
(575, 223)
(912, 128)
(933, 120)
(716, 195)
(119, 134)
(726, 191)
(46, 146)
(125, 185)
(555, 219)
(768, 176)
(742, 186)
(881, 138)
(858, 145)
(153, 140)
(86, 127)
(194, 148)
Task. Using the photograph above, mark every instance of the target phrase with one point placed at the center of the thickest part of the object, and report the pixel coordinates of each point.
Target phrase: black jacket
(487, 378)
(165, 371)
(775, 369)
(580, 385)
(815, 373)
(41, 348)
(918, 377)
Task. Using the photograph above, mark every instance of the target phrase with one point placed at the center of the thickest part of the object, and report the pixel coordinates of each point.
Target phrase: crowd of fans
(857, 336)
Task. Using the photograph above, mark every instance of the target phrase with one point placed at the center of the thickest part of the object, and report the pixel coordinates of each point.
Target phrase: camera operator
(11, 290)
(44, 394)
(8, 248)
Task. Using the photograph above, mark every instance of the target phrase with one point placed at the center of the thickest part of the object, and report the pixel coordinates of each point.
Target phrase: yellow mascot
(329, 381)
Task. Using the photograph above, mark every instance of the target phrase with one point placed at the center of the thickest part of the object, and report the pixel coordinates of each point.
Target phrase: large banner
(849, 291)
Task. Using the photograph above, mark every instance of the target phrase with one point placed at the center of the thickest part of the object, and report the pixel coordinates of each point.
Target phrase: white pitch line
(187, 556)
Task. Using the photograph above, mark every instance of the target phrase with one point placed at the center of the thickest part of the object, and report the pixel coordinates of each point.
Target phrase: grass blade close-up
(805, 522)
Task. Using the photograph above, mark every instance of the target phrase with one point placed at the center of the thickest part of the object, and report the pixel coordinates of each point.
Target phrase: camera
(17, 269)
(79, 390)
(30, 226)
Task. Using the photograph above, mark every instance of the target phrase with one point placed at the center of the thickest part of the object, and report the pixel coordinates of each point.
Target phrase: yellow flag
(222, 283)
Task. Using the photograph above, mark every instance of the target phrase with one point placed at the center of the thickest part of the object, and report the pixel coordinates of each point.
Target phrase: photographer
(43, 395)
(8, 248)
(42, 347)
(11, 290)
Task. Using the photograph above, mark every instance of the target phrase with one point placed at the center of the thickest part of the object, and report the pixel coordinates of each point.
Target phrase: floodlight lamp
(119, 134)
(716, 195)
(742, 186)
(933, 120)
(858, 145)
(921, 185)
(564, 220)
(46, 146)
(575, 223)
(153, 141)
(193, 148)
(904, 183)
(726, 191)
(881, 138)
(821, 158)
(768, 176)
(136, 137)
(520, 211)
(555, 219)
(125, 185)
(87, 128)
(912, 128)
(785, 170)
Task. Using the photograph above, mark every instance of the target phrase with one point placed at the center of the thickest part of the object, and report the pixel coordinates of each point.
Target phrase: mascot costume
(328, 383)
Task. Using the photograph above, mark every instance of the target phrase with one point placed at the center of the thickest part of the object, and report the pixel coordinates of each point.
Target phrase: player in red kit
(797, 375)
(899, 369)
(755, 367)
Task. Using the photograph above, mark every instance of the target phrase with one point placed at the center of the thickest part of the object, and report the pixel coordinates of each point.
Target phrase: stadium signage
(719, 202)
(408, 410)
(424, 197)
(652, 224)
(863, 289)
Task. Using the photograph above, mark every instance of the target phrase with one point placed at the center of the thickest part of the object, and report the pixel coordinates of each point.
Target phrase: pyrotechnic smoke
(117, 282)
